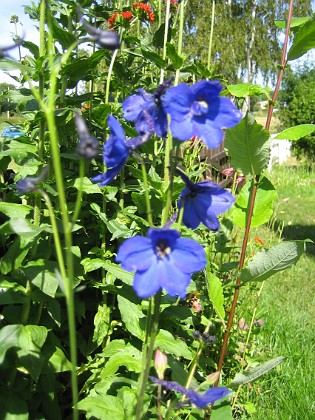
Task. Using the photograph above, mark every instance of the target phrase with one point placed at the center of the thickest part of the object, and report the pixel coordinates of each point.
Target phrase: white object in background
(280, 151)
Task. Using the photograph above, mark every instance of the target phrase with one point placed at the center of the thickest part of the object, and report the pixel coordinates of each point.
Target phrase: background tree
(245, 39)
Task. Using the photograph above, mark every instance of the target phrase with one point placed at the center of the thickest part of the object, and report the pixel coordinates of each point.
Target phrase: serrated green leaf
(304, 40)
(91, 264)
(154, 58)
(251, 376)
(101, 323)
(102, 408)
(296, 133)
(15, 211)
(131, 315)
(248, 146)
(271, 261)
(215, 291)
(263, 208)
(172, 54)
(166, 342)
(127, 356)
(42, 274)
(222, 410)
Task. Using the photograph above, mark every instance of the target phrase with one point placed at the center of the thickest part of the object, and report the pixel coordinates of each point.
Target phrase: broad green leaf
(131, 315)
(253, 374)
(23, 227)
(166, 342)
(102, 407)
(91, 264)
(172, 54)
(304, 40)
(271, 261)
(87, 186)
(15, 211)
(11, 292)
(42, 274)
(215, 291)
(129, 356)
(6, 64)
(222, 410)
(101, 323)
(248, 146)
(12, 407)
(263, 208)
(296, 133)
(295, 22)
(243, 90)
(15, 255)
(154, 58)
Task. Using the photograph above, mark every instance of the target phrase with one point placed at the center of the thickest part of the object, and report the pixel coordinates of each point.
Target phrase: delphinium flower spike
(117, 149)
(105, 39)
(161, 260)
(136, 106)
(199, 400)
(88, 146)
(202, 202)
(198, 110)
(30, 184)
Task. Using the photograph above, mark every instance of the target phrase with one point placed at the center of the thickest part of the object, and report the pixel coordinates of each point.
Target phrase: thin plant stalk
(147, 193)
(180, 38)
(78, 202)
(252, 201)
(167, 18)
(211, 35)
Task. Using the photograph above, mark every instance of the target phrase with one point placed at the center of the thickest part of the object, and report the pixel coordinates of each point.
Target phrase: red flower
(147, 11)
(126, 15)
(258, 241)
(112, 20)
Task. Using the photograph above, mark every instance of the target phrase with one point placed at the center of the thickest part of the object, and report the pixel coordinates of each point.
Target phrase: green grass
(287, 306)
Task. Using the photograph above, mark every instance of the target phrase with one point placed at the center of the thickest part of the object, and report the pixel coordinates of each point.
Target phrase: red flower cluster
(112, 20)
(146, 8)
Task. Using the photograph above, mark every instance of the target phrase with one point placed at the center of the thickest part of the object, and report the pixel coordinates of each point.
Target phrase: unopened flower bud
(160, 363)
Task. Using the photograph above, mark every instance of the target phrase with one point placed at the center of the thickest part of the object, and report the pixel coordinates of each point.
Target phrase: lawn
(287, 306)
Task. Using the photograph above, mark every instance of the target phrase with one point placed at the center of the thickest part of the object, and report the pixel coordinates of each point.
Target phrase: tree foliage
(245, 39)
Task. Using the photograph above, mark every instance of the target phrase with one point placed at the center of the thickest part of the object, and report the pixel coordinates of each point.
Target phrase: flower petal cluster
(115, 154)
(88, 146)
(148, 105)
(146, 11)
(161, 260)
(202, 202)
(198, 110)
(199, 400)
(115, 18)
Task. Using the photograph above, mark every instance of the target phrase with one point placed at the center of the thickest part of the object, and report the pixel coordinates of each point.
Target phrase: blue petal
(182, 129)
(146, 283)
(177, 101)
(210, 135)
(106, 177)
(136, 254)
(115, 127)
(228, 115)
(171, 279)
(205, 89)
(132, 107)
(159, 235)
(188, 256)
(190, 217)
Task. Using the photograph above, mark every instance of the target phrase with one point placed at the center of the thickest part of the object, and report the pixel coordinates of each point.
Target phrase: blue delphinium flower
(199, 400)
(30, 184)
(198, 110)
(88, 145)
(202, 203)
(135, 106)
(116, 151)
(161, 260)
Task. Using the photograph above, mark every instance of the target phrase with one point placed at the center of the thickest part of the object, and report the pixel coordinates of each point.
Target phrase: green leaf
(118, 272)
(243, 90)
(11, 292)
(304, 40)
(102, 408)
(87, 186)
(27, 340)
(263, 208)
(56, 360)
(295, 22)
(222, 410)
(296, 133)
(248, 146)
(166, 342)
(251, 376)
(154, 58)
(42, 274)
(14, 211)
(176, 59)
(131, 315)
(27, 230)
(271, 261)
(12, 407)
(15, 255)
(215, 291)
(128, 356)
(101, 323)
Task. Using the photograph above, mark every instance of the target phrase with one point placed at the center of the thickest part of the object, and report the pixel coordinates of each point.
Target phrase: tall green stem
(167, 18)
(180, 38)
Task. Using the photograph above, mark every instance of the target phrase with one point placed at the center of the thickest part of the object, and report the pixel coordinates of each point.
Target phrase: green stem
(167, 178)
(27, 304)
(167, 18)
(147, 193)
(211, 35)
(145, 372)
(180, 38)
(78, 202)
(109, 76)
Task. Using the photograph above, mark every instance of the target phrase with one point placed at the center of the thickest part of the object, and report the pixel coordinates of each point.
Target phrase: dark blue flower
(30, 184)
(88, 146)
(199, 400)
(198, 110)
(115, 154)
(202, 203)
(161, 260)
(135, 108)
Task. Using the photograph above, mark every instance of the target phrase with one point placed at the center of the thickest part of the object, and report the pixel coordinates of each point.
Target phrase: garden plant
(121, 260)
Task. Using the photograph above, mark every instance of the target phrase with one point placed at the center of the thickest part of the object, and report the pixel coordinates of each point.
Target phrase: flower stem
(167, 178)
(167, 18)
(145, 373)
(147, 193)
(78, 203)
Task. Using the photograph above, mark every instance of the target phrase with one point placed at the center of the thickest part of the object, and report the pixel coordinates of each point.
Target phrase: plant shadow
(298, 232)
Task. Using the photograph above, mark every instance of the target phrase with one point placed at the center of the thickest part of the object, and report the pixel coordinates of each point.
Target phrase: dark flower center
(163, 249)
